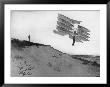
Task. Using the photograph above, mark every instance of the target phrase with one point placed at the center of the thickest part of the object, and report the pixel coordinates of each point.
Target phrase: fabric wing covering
(64, 27)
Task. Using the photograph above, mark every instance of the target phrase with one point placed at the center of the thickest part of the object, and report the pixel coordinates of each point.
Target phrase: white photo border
(56, 80)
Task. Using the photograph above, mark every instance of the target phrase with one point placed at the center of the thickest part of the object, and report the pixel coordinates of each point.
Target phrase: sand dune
(45, 61)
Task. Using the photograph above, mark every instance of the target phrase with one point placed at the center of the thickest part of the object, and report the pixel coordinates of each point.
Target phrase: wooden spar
(83, 35)
(60, 33)
(64, 26)
(65, 22)
(83, 38)
(61, 29)
(68, 19)
(83, 28)
(77, 39)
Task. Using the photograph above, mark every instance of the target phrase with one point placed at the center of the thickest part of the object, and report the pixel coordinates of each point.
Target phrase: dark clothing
(75, 33)
(29, 38)
(73, 40)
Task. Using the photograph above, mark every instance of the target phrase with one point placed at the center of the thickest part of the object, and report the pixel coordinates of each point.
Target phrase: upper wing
(68, 19)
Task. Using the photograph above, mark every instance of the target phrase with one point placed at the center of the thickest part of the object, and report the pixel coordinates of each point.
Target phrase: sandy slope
(44, 61)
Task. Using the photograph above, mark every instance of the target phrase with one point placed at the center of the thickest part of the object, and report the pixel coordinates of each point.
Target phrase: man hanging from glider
(67, 26)
(74, 33)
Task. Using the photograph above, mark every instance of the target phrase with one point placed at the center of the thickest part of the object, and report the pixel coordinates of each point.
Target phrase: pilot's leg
(73, 40)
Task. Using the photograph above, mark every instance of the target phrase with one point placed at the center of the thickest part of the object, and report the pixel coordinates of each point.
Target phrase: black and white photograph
(55, 43)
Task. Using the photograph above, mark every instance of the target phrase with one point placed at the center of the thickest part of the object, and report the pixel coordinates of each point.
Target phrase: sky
(40, 26)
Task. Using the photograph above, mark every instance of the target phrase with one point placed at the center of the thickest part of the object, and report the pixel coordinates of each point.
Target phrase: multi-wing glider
(65, 26)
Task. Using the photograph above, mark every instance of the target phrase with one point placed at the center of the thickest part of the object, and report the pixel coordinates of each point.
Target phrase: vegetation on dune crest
(20, 43)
